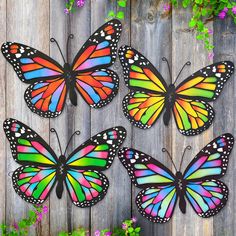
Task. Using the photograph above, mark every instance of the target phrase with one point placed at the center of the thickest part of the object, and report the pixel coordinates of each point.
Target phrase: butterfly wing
(98, 88)
(30, 64)
(85, 183)
(34, 183)
(205, 192)
(158, 198)
(192, 113)
(144, 104)
(27, 147)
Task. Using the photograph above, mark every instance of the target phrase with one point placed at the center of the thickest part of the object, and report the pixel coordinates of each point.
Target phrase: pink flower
(210, 31)
(134, 219)
(80, 3)
(45, 209)
(15, 225)
(124, 226)
(210, 55)
(108, 233)
(97, 233)
(222, 15)
(225, 9)
(66, 10)
(234, 10)
(39, 216)
(166, 7)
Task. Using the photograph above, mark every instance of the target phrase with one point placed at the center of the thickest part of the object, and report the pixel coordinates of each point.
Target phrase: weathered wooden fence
(146, 29)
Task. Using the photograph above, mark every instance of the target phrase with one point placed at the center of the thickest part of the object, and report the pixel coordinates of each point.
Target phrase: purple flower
(210, 55)
(39, 216)
(134, 219)
(66, 10)
(124, 226)
(15, 225)
(108, 233)
(210, 31)
(97, 233)
(222, 15)
(234, 10)
(45, 209)
(80, 3)
(166, 7)
(225, 9)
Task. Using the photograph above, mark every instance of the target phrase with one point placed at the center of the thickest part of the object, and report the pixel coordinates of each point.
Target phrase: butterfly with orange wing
(149, 94)
(88, 74)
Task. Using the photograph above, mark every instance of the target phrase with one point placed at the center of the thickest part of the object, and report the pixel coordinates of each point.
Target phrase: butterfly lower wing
(207, 83)
(99, 52)
(30, 64)
(47, 98)
(33, 183)
(207, 197)
(139, 73)
(143, 109)
(98, 88)
(211, 161)
(27, 147)
(86, 187)
(99, 151)
(192, 117)
(144, 170)
(157, 204)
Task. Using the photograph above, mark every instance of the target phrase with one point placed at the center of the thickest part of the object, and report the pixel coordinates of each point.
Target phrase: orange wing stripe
(47, 64)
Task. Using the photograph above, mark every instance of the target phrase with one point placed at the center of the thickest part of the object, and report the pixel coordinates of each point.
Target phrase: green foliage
(120, 14)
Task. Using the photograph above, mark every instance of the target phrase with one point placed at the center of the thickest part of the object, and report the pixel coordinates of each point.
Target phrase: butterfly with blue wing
(88, 74)
(199, 183)
(41, 169)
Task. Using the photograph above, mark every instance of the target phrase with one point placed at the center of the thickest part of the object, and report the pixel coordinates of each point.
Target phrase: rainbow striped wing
(30, 64)
(205, 192)
(145, 103)
(47, 98)
(99, 151)
(98, 88)
(99, 52)
(158, 198)
(27, 147)
(207, 83)
(34, 183)
(86, 187)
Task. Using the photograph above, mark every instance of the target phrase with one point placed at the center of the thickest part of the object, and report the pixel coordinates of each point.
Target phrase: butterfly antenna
(164, 59)
(165, 150)
(53, 40)
(188, 63)
(187, 148)
(75, 133)
(54, 131)
(71, 36)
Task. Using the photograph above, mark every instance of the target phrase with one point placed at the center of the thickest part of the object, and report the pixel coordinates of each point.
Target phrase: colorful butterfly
(41, 169)
(88, 74)
(150, 95)
(199, 183)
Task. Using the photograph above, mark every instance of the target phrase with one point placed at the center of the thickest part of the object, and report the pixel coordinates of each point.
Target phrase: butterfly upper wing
(30, 64)
(27, 147)
(47, 98)
(86, 187)
(207, 197)
(144, 104)
(99, 87)
(211, 161)
(100, 50)
(34, 183)
(192, 117)
(99, 151)
(207, 83)
(158, 198)
(205, 192)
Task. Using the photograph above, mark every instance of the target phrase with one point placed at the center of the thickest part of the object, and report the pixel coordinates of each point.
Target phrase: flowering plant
(21, 228)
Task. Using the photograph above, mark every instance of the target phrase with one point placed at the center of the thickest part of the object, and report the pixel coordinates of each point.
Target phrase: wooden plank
(3, 173)
(21, 27)
(59, 30)
(225, 47)
(151, 36)
(186, 48)
(79, 117)
(116, 206)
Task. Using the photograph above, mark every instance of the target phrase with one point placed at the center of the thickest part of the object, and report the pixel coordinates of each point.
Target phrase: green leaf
(185, 3)
(111, 14)
(204, 11)
(137, 230)
(120, 15)
(200, 37)
(122, 3)
(192, 23)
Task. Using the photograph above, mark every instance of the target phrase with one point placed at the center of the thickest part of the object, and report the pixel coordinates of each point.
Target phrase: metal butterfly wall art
(88, 74)
(41, 169)
(199, 183)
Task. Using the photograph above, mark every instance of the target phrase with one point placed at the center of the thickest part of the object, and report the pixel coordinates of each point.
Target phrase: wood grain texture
(225, 108)
(154, 35)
